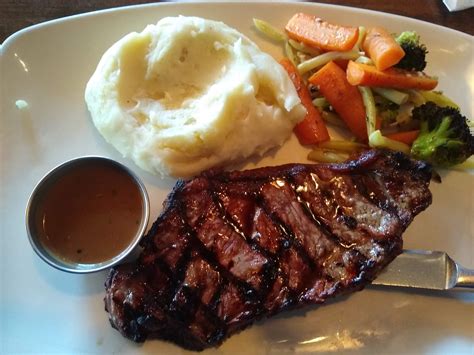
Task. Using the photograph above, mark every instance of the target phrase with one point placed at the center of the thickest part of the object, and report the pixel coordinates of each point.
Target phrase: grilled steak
(233, 247)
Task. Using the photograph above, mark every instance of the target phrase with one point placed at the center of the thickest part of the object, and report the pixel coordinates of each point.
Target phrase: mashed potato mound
(188, 94)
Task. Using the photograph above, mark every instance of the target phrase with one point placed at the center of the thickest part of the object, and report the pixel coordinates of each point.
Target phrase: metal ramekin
(53, 176)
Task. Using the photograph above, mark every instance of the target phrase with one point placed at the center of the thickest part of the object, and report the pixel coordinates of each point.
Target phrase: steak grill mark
(242, 245)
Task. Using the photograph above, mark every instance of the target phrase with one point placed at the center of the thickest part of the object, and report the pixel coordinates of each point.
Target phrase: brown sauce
(90, 214)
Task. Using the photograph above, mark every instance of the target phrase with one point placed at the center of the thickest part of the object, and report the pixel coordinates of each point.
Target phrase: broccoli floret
(386, 110)
(388, 115)
(415, 52)
(445, 138)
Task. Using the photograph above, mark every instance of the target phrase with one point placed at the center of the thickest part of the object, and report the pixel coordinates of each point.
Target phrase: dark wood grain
(18, 14)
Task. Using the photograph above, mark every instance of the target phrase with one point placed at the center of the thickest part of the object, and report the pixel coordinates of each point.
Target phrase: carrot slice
(342, 63)
(378, 123)
(343, 97)
(312, 130)
(384, 51)
(315, 32)
(407, 137)
(368, 75)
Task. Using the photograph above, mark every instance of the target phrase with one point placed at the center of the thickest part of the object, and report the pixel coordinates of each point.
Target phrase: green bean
(393, 95)
(467, 165)
(303, 48)
(343, 145)
(290, 54)
(358, 45)
(268, 30)
(364, 60)
(333, 119)
(322, 59)
(302, 57)
(325, 156)
(376, 140)
(416, 97)
(438, 98)
(321, 103)
(370, 110)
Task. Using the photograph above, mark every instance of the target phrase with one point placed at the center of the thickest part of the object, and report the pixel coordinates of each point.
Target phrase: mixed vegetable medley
(370, 82)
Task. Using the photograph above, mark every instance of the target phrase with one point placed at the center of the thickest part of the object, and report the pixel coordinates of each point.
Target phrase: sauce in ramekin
(89, 215)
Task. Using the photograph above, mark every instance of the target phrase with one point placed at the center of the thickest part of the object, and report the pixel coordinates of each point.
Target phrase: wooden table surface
(17, 14)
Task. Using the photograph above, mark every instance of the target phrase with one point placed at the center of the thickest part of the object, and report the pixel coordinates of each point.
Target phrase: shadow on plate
(72, 284)
(253, 160)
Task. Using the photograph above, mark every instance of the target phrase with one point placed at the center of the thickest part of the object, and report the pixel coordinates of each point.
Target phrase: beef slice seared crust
(233, 247)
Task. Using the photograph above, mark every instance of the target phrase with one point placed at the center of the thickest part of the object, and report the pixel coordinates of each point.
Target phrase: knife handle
(465, 277)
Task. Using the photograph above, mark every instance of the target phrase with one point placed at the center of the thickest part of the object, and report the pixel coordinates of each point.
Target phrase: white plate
(45, 310)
